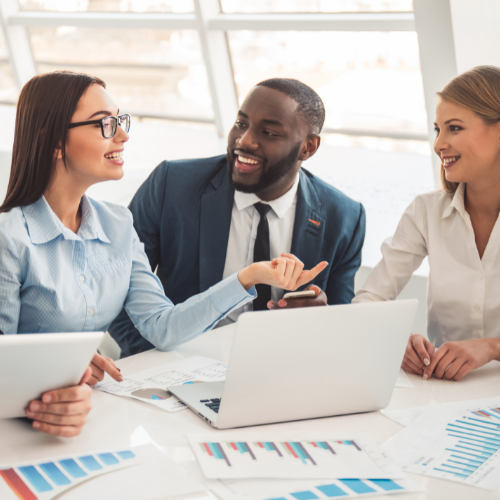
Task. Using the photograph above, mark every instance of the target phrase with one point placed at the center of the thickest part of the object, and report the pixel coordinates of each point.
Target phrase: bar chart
(47, 479)
(292, 458)
(469, 452)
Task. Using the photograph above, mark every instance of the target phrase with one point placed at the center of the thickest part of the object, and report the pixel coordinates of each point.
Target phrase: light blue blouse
(53, 280)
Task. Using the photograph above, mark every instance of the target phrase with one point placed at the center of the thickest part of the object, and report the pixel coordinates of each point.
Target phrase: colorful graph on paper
(469, 453)
(283, 458)
(44, 480)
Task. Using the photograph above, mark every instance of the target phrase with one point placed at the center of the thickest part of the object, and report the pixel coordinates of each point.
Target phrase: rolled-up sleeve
(166, 326)
(10, 285)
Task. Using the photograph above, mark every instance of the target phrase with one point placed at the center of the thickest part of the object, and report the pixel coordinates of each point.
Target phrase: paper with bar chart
(308, 489)
(443, 442)
(303, 455)
(150, 385)
(45, 479)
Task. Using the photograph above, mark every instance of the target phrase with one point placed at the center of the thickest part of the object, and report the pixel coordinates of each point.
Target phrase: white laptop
(306, 363)
(33, 364)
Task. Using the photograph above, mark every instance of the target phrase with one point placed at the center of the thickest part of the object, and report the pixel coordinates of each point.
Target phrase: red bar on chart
(208, 449)
(17, 485)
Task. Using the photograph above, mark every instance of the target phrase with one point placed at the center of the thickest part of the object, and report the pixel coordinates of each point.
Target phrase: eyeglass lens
(109, 126)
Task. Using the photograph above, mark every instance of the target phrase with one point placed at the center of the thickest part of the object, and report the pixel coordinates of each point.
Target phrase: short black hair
(310, 106)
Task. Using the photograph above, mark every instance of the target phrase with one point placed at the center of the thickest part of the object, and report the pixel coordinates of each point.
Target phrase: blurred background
(181, 68)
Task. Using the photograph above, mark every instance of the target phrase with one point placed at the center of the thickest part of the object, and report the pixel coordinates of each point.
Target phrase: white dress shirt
(463, 299)
(243, 232)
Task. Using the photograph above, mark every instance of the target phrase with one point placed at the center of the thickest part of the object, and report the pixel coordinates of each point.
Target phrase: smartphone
(299, 295)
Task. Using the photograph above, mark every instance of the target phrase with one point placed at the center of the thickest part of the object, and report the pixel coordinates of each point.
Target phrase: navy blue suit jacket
(182, 214)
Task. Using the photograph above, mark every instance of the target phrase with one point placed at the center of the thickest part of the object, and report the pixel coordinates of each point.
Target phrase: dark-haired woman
(69, 263)
(458, 229)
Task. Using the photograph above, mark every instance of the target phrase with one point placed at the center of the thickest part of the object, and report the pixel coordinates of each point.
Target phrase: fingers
(307, 276)
(411, 354)
(49, 418)
(57, 430)
(408, 369)
(273, 305)
(464, 370)
(435, 359)
(101, 364)
(418, 370)
(97, 374)
(418, 343)
(444, 364)
(69, 394)
(86, 376)
(298, 267)
(67, 409)
(316, 289)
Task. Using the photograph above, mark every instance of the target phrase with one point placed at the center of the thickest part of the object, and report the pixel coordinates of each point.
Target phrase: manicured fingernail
(46, 398)
(36, 425)
(120, 378)
(426, 376)
(35, 406)
(426, 362)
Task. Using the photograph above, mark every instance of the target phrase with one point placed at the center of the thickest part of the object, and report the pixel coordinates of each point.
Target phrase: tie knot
(262, 208)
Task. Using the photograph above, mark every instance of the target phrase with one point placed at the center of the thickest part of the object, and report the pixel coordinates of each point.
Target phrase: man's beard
(270, 175)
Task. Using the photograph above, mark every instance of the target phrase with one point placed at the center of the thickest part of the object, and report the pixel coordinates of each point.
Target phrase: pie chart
(152, 393)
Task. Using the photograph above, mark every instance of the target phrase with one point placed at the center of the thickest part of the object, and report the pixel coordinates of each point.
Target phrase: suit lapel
(309, 226)
(215, 222)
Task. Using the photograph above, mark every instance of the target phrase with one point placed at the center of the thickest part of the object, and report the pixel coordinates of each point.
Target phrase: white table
(120, 422)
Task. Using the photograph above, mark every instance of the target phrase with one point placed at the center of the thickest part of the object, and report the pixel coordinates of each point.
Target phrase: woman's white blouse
(463, 300)
(53, 280)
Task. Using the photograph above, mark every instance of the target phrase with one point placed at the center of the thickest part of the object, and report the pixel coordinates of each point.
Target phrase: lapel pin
(315, 222)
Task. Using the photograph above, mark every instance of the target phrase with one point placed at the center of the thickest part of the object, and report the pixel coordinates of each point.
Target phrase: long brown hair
(45, 108)
(479, 91)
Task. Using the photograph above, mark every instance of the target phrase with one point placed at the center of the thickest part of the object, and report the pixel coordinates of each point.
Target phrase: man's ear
(312, 145)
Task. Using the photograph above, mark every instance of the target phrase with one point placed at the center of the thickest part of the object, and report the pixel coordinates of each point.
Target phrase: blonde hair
(479, 91)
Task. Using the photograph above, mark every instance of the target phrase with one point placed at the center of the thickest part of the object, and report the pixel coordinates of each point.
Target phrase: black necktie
(262, 252)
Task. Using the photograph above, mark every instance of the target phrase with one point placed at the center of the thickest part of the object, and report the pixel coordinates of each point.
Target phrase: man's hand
(99, 366)
(417, 355)
(320, 299)
(62, 412)
(453, 360)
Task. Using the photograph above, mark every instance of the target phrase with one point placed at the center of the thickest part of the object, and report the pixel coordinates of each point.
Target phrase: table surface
(117, 422)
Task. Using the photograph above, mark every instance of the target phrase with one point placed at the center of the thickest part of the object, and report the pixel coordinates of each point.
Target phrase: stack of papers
(458, 441)
(140, 472)
(150, 386)
(262, 466)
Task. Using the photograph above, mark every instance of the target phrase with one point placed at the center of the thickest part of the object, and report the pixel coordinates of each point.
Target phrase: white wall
(476, 32)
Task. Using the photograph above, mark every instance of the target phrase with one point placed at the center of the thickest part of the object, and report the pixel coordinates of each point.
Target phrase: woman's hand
(62, 412)
(418, 354)
(453, 360)
(101, 365)
(285, 272)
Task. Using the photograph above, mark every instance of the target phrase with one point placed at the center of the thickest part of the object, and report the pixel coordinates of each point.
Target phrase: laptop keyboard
(213, 404)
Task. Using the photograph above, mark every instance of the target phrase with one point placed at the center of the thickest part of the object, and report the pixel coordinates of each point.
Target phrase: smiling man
(204, 219)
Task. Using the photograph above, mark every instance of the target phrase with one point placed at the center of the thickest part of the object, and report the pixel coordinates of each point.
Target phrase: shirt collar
(280, 205)
(44, 225)
(457, 202)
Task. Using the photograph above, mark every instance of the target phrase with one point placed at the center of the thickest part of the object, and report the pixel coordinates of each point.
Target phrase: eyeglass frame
(100, 121)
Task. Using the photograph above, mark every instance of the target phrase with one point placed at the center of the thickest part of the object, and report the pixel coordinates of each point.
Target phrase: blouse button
(481, 276)
(81, 278)
(477, 335)
(477, 308)
(91, 312)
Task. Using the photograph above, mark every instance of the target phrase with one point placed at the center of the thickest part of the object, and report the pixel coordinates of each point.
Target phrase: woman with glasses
(70, 263)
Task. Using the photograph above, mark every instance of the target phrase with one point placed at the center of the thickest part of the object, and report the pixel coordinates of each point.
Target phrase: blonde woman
(457, 228)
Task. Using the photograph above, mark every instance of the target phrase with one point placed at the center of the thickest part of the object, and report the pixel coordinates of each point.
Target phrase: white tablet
(33, 364)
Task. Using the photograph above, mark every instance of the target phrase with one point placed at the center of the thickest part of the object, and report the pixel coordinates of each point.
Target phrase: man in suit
(202, 220)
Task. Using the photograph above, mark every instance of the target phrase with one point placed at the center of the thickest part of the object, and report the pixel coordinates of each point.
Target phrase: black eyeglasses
(109, 124)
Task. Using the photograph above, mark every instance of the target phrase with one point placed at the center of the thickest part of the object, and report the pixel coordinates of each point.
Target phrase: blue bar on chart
(357, 485)
(55, 474)
(90, 462)
(108, 458)
(387, 484)
(72, 468)
(35, 478)
(332, 490)
(305, 495)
